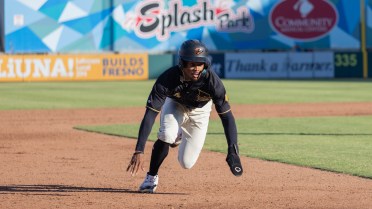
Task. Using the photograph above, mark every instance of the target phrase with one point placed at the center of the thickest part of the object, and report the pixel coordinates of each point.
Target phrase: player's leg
(178, 139)
(171, 116)
(159, 153)
(194, 132)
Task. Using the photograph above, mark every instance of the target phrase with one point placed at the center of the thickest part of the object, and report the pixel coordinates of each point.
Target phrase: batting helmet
(193, 51)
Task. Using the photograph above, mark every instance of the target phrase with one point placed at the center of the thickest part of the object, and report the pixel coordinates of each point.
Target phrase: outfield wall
(273, 65)
(300, 38)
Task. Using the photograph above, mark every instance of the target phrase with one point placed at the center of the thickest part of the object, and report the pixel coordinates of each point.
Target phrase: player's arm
(232, 159)
(154, 103)
(229, 126)
(223, 109)
(136, 161)
(145, 128)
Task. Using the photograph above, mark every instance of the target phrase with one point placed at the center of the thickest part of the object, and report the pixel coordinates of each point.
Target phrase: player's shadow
(63, 190)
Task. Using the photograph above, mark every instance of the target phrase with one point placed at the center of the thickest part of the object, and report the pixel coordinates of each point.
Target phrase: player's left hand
(135, 163)
(234, 163)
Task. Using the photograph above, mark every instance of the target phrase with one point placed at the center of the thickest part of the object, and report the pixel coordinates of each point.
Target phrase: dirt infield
(45, 163)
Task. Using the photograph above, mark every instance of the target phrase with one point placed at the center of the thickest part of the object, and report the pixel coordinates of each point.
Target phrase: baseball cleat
(149, 184)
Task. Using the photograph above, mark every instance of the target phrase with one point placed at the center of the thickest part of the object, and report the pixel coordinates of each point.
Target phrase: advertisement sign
(238, 25)
(303, 20)
(255, 65)
(73, 67)
(218, 63)
(158, 19)
(279, 65)
(159, 26)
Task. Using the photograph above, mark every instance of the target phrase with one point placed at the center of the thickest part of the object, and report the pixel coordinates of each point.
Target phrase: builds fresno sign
(303, 19)
(155, 19)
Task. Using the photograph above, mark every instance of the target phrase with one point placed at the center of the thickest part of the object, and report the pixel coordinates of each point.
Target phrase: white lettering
(310, 22)
(2, 73)
(59, 69)
(10, 67)
(40, 67)
(18, 69)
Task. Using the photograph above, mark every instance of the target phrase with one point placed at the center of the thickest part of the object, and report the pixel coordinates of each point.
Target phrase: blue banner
(43, 26)
(233, 25)
(369, 23)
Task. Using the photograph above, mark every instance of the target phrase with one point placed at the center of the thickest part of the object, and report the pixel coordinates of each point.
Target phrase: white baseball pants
(176, 119)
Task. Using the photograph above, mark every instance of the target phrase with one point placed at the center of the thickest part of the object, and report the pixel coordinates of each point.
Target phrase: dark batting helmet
(193, 51)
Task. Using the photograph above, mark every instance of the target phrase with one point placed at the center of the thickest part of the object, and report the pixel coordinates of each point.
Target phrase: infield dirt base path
(45, 163)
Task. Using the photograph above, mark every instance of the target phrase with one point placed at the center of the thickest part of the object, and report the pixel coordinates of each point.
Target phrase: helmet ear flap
(181, 63)
(207, 63)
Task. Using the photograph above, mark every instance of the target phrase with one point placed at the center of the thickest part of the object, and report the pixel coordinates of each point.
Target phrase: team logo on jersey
(177, 95)
(203, 96)
(198, 51)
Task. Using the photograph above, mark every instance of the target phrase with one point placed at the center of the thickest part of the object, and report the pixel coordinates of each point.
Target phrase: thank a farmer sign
(159, 19)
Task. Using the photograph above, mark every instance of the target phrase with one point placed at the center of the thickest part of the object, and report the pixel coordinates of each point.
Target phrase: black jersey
(195, 94)
(192, 94)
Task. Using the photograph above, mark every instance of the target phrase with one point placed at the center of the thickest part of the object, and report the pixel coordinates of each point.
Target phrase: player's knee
(168, 137)
(186, 164)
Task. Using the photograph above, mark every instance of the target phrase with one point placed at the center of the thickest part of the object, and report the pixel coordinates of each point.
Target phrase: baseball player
(183, 96)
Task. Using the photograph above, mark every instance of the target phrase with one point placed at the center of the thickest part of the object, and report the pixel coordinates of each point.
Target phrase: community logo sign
(305, 20)
(157, 19)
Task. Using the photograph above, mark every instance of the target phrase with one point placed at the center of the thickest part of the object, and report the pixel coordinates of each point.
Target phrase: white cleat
(149, 184)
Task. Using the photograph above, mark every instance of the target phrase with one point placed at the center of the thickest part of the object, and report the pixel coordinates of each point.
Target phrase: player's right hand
(135, 163)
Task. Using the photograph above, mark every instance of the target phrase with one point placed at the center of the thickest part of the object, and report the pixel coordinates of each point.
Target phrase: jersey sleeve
(145, 129)
(222, 105)
(219, 98)
(157, 97)
(154, 104)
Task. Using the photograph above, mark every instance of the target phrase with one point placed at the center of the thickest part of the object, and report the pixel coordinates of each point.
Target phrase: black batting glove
(233, 160)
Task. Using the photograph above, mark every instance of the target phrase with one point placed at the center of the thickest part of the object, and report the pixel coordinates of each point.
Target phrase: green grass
(303, 91)
(62, 95)
(340, 144)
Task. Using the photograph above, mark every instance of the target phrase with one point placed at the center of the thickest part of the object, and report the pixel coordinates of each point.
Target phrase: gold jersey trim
(224, 112)
(155, 110)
